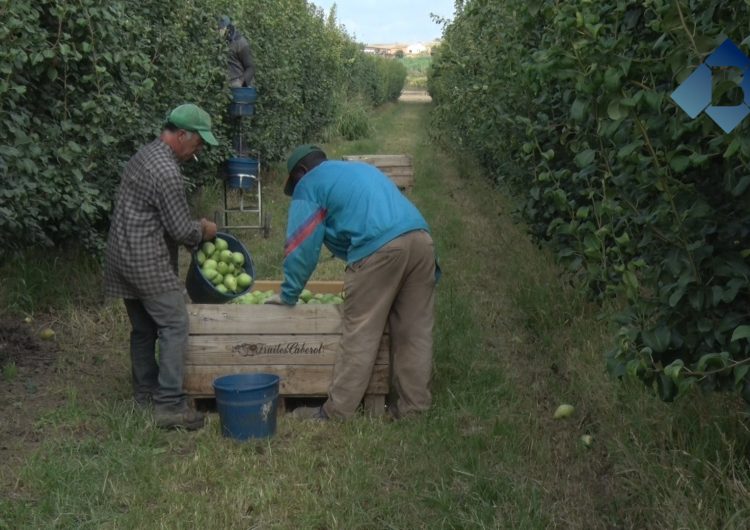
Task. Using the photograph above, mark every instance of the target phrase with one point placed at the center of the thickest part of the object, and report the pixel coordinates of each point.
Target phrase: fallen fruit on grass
(563, 411)
(587, 440)
(47, 334)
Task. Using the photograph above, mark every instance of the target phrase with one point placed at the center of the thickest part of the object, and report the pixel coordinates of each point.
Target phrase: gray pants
(163, 317)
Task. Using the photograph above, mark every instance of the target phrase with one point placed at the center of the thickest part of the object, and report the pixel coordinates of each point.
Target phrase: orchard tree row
(84, 83)
(567, 103)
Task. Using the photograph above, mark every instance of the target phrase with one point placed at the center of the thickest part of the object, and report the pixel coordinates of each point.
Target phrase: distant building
(416, 49)
(390, 50)
(386, 50)
(378, 49)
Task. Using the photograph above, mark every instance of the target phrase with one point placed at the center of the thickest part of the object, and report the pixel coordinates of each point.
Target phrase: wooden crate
(299, 344)
(398, 167)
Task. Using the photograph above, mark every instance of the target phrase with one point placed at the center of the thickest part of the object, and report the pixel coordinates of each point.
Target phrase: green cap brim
(289, 186)
(208, 137)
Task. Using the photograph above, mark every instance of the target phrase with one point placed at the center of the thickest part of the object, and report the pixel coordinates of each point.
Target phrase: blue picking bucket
(241, 109)
(244, 94)
(202, 291)
(247, 405)
(241, 172)
(243, 101)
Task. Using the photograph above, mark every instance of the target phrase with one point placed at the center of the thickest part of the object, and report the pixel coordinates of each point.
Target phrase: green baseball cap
(298, 154)
(193, 118)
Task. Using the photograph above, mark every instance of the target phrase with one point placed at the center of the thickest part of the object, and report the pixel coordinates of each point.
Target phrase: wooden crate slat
(252, 350)
(214, 319)
(399, 168)
(398, 171)
(296, 380)
(397, 159)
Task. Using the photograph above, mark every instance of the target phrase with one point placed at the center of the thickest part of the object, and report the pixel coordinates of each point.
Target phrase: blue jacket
(350, 207)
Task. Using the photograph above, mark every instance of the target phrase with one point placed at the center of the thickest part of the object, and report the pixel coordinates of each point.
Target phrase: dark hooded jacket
(240, 64)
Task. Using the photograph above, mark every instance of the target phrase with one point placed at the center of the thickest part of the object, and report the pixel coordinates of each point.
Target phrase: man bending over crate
(359, 214)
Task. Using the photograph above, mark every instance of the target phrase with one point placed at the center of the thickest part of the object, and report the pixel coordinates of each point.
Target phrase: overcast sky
(390, 21)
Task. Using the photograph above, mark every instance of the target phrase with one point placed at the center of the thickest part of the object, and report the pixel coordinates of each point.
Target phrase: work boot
(183, 418)
(143, 401)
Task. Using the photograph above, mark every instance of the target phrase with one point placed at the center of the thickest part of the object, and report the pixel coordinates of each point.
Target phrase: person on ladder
(240, 72)
(240, 64)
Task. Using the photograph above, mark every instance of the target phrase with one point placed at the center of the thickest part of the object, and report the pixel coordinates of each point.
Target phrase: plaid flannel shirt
(151, 218)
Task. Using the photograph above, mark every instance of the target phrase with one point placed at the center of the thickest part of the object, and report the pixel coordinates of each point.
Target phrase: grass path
(512, 342)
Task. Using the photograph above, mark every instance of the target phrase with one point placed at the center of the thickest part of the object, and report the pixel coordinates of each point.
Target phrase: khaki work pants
(395, 285)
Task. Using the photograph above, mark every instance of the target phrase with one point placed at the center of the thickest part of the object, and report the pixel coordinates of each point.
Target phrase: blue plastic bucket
(201, 290)
(241, 182)
(241, 172)
(244, 94)
(247, 405)
(241, 109)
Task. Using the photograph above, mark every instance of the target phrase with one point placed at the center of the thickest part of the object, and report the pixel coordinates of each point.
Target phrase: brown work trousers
(395, 285)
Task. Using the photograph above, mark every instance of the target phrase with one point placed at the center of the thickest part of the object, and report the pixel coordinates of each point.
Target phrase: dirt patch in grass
(27, 364)
(19, 345)
(415, 96)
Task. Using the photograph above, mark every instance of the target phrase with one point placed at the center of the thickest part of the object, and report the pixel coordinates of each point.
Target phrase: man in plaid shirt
(151, 218)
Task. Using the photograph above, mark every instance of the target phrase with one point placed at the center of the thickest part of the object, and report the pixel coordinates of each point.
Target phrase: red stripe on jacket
(302, 233)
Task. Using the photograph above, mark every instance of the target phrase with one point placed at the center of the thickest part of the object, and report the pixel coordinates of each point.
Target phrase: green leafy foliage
(568, 105)
(416, 70)
(84, 83)
(353, 122)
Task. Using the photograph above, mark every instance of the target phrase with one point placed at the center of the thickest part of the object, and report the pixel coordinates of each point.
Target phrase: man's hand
(275, 300)
(209, 229)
